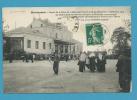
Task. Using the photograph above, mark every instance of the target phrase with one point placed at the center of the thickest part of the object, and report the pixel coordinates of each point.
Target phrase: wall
(50, 30)
(40, 50)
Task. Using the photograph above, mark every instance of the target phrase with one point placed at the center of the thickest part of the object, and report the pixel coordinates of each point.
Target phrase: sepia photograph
(67, 49)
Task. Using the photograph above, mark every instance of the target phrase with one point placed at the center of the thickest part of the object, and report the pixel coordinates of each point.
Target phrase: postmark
(71, 21)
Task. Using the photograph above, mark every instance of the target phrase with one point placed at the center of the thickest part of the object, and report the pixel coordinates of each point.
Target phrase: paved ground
(38, 77)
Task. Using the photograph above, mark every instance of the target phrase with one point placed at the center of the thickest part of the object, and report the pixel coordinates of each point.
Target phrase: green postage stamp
(94, 34)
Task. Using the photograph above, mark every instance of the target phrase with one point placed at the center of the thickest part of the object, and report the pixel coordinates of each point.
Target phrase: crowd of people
(27, 57)
(92, 62)
(95, 63)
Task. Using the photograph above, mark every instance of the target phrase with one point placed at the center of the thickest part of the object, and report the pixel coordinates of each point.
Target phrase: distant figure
(26, 57)
(32, 56)
(11, 57)
(50, 58)
(87, 62)
(23, 57)
(81, 62)
(56, 64)
(99, 62)
(124, 68)
(66, 58)
(69, 57)
(92, 62)
(103, 68)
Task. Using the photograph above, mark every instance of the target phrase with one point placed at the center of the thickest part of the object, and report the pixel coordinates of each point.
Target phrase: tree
(121, 39)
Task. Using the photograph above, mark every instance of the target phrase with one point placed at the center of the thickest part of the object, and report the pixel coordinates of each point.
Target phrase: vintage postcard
(66, 49)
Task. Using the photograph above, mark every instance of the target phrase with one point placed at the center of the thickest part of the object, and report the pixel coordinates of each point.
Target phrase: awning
(63, 42)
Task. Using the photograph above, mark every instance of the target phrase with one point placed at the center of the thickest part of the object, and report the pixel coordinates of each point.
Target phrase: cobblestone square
(38, 77)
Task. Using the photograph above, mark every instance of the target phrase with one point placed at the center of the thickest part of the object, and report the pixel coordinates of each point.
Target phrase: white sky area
(22, 17)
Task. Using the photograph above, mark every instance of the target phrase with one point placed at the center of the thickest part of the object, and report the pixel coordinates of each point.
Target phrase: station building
(41, 37)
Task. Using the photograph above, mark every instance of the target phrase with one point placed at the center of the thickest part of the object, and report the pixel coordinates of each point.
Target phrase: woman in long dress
(99, 62)
(92, 62)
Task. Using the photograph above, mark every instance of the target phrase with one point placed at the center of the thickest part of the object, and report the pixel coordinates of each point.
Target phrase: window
(49, 45)
(66, 49)
(44, 45)
(28, 43)
(37, 44)
(61, 48)
(73, 48)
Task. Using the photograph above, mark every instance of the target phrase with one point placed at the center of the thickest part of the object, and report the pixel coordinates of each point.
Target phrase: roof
(19, 30)
(75, 41)
(37, 32)
(23, 30)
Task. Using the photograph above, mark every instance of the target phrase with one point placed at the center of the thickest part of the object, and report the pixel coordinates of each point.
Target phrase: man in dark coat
(56, 64)
(99, 62)
(26, 57)
(103, 63)
(32, 57)
(11, 57)
(92, 63)
(124, 68)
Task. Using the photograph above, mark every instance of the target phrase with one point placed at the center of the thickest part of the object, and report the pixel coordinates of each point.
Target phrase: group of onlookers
(27, 57)
(95, 62)
(92, 62)
(64, 57)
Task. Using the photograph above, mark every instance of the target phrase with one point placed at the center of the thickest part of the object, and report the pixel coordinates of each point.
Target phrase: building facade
(41, 37)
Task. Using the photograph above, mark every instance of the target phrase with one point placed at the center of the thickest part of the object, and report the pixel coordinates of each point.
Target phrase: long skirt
(56, 67)
(92, 67)
(102, 68)
(81, 66)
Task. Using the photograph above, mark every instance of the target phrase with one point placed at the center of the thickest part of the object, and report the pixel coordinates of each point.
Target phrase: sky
(110, 18)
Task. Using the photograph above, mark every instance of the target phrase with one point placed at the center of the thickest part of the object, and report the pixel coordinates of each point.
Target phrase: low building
(41, 37)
